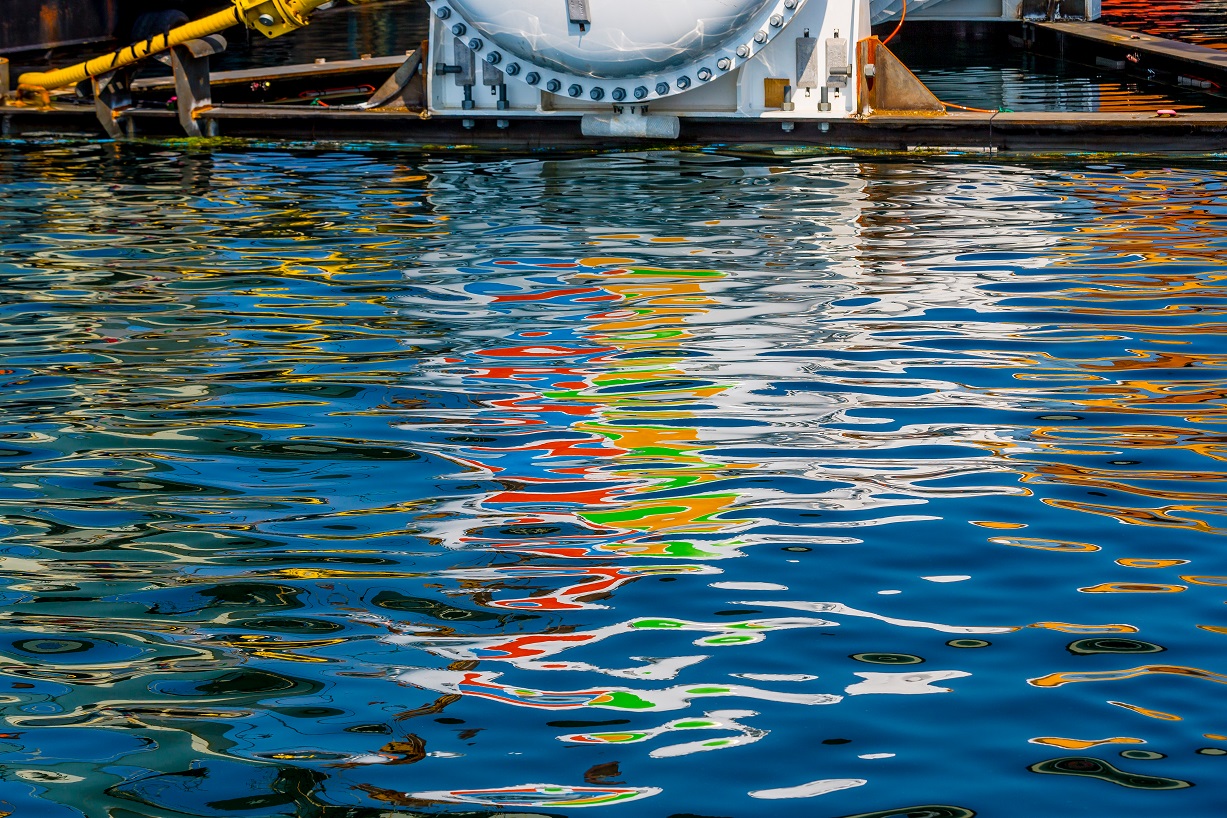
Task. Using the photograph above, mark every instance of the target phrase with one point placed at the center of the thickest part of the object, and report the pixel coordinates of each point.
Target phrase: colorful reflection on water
(1196, 21)
(367, 484)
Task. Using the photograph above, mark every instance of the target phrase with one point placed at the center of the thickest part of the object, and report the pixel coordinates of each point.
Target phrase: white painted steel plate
(625, 39)
(656, 48)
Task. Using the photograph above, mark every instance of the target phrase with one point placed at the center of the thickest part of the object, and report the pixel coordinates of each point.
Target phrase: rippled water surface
(357, 485)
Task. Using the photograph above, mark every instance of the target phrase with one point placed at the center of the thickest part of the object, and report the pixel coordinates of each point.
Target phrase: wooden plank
(1106, 120)
(1200, 56)
(283, 72)
(974, 132)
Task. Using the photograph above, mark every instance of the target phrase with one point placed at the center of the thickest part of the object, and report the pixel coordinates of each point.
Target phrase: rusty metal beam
(886, 86)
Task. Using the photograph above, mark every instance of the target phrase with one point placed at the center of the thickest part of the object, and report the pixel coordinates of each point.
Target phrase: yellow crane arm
(272, 18)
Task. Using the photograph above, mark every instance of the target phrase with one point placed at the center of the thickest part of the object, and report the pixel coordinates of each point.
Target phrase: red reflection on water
(1196, 21)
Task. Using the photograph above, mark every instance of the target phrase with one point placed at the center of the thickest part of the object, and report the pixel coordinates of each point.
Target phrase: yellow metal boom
(272, 18)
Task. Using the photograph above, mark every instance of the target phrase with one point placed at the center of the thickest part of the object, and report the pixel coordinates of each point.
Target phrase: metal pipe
(270, 17)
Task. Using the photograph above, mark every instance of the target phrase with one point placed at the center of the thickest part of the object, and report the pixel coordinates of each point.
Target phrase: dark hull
(28, 25)
(34, 25)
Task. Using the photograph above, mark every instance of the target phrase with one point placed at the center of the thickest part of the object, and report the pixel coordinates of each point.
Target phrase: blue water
(366, 484)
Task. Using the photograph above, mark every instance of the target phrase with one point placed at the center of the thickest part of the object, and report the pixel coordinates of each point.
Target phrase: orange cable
(969, 108)
(902, 17)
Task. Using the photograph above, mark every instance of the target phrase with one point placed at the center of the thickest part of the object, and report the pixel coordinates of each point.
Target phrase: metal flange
(738, 48)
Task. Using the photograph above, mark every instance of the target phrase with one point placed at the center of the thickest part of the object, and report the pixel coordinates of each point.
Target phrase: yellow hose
(270, 17)
(127, 55)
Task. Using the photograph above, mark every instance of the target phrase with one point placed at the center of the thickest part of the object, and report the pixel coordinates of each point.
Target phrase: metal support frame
(190, 62)
(464, 69)
(397, 86)
(112, 97)
(492, 77)
(886, 86)
(578, 14)
(466, 78)
(807, 62)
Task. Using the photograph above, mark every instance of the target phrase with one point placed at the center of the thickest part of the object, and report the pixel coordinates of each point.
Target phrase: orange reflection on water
(1144, 711)
(1111, 479)
(1058, 679)
(1155, 236)
(1046, 545)
(1081, 744)
(1132, 562)
(1133, 588)
(1069, 627)
(1139, 516)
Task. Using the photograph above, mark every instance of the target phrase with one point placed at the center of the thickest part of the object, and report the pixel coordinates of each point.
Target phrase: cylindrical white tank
(615, 49)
